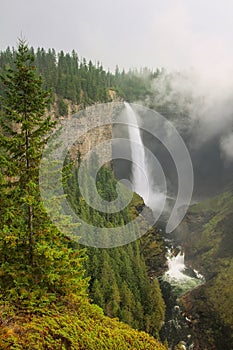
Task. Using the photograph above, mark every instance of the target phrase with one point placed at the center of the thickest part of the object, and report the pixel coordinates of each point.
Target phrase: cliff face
(95, 123)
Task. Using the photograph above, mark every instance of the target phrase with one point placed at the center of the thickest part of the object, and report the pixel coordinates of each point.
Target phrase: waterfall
(139, 167)
(141, 178)
(146, 183)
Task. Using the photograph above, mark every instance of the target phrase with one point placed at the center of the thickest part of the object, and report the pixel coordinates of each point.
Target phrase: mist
(201, 108)
(227, 147)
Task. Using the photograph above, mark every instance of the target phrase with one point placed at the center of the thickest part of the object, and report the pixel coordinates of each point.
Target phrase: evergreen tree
(36, 265)
(119, 281)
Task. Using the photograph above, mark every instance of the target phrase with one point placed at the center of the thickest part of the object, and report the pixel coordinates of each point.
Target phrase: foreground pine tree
(36, 265)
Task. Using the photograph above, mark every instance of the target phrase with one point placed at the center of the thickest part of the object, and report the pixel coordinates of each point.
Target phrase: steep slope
(76, 326)
(207, 233)
(119, 281)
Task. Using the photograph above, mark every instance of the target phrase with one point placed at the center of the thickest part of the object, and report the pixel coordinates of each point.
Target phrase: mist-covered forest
(59, 294)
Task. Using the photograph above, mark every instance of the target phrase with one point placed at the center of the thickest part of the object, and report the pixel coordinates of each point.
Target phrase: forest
(48, 281)
(55, 292)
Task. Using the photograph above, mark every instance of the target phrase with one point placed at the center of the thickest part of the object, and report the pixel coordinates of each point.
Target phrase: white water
(176, 268)
(139, 168)
(142, 182)
(177, 274)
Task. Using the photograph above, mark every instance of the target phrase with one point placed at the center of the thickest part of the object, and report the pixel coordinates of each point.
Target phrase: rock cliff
(96, 126)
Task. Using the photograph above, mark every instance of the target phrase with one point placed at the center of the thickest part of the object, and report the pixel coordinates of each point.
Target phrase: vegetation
(37, 266)
(67, 76)
(84, 83)
(43, 288)
(209, 248)
(72, 326)
(119, 277)
(46, 279)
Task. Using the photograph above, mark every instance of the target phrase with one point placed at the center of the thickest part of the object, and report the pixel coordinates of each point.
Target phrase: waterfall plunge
(176, 267)
(141, 178)
(139, 173)
(181, 278)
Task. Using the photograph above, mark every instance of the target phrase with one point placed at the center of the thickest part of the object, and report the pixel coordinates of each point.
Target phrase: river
(178, 280)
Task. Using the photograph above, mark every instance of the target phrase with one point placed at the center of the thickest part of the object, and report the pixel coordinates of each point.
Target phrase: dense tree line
(135, 85)
(82, 82)
(67, 75)
(119, 276)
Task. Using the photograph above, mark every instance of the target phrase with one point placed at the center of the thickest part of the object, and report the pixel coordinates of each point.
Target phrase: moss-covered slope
(208, 239)
(74, 326)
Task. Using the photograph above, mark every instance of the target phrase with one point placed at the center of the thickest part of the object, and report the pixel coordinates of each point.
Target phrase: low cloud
(227, 147)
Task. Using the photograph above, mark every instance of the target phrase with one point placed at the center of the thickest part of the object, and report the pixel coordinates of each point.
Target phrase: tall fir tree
(36, 264)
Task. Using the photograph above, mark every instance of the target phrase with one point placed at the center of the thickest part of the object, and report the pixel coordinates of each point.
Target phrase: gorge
(129, 282)
(178, 279)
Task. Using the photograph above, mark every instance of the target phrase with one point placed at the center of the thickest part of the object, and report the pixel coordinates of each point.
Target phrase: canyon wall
(96, 125)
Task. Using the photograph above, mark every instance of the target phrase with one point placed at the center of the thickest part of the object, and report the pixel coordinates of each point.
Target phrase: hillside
(119, 281)
(208, 240)
(75, 325)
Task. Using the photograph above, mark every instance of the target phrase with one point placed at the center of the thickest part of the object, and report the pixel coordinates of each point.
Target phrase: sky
(174, 34)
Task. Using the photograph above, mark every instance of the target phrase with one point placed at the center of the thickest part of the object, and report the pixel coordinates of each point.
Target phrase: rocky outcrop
(96, 123)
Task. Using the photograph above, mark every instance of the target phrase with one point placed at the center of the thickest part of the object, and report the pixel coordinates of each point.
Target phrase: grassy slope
(209, 247)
